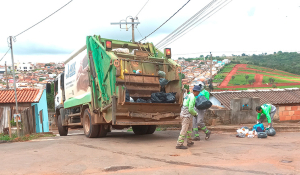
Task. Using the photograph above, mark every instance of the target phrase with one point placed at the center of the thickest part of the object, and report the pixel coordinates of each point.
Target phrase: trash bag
(259, 127)
(163, 82)
(127, 96)
(161, 97)
(161, 73)
(171, 97)
(202, 103)
(139, 100)
(131, 100)
(271, 131)
(245, 127)
(262, 135)
(149, 101)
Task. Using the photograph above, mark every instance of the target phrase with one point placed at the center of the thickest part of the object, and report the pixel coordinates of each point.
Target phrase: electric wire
(186, 23)
(139, 32)
(44, 18)
(141, 9)
(5, 54)
(165, 21)
(195, 24)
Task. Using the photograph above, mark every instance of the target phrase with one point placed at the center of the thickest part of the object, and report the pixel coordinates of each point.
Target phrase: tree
(41, 79)
(246, 77)
(50, 97)
(274, 86)
(263, 81)
(186, 86)
(243, 54)
(233, 77)
(271, 80)
(252, 81)
(201, 56)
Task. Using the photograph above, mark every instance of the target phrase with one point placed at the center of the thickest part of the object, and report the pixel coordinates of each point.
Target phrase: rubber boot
(181, 147)
(207, 135)
(196, 138)
(190, 144)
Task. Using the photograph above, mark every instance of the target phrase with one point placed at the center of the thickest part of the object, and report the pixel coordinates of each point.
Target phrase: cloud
(29, 48)
(251, 11)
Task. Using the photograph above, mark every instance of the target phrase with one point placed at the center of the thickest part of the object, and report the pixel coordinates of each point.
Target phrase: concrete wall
(287, 113)
(41, 105)
(243, 110)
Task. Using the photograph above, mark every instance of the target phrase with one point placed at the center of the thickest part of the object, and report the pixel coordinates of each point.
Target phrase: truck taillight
(108, 45)
(168, 52)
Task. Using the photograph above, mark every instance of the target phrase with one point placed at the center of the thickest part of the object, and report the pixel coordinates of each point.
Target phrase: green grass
(297, 78)
(15, 138)
(240, 79)
(219, 77)
(226, 69)
(277, 80)
(270, 70)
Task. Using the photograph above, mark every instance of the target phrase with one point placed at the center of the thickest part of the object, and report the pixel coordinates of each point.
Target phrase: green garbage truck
(108, 84)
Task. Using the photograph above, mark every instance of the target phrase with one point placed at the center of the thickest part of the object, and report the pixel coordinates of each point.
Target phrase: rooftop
(271, 96)
(25, 95)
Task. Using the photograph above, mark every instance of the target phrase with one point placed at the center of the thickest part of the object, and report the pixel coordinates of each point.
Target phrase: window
(15, 67)
(24, 67)
(30, 68)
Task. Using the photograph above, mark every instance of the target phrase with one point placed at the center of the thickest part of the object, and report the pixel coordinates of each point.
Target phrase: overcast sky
(241, 26)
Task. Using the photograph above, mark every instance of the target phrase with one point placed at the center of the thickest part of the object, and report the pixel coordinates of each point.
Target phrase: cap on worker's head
(197, 88)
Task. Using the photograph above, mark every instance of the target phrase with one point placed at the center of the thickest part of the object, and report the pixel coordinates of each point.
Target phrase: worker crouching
(186, 115)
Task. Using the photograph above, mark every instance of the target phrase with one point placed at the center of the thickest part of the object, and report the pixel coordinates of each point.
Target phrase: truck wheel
(62, 130)
(151, 129)
(140, 129)
(90, 131)
(103, 129)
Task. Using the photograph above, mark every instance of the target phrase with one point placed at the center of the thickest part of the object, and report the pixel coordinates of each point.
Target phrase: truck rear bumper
(164, 122)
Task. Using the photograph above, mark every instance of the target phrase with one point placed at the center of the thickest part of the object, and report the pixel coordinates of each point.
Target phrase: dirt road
(126, 153)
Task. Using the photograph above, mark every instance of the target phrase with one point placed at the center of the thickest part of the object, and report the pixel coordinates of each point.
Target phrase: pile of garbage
(257, 131)
(157, 97)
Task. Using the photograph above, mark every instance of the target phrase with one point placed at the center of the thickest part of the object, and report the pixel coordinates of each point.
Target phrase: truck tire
(90, 131)
(151, 129)
(140, 129)
(103, 129)
(62, 130)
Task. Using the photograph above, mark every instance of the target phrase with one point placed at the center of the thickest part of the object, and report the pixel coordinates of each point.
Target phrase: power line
(5, 54)
(195, 24)
(165, 21)
(44, 19)
(235, 52)
(141, 9)
(186, 23)
(139, 32)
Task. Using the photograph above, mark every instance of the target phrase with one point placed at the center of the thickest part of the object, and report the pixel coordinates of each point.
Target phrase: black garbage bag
(149, 101)
(161, 97)
(127, 96)
(202, 103)
(140, 100)
(262, 135)
(171, 97)
(271, 131)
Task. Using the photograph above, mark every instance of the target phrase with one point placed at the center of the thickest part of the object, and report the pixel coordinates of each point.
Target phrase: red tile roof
(278, 96)
(25, 95)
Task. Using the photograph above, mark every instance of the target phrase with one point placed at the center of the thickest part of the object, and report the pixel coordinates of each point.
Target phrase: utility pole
(210, 66)
(13, 68)
(7, 86)
(125, 22)
(132, 21)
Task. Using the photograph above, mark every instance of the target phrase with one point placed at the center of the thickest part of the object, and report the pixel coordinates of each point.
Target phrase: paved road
(126, 153)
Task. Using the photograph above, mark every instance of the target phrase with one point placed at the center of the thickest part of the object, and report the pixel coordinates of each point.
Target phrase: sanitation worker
(266, 111)
(199, 120)
(186, 115)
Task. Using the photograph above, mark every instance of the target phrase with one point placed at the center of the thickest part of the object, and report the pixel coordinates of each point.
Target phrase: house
(31, 99)
(287, 101)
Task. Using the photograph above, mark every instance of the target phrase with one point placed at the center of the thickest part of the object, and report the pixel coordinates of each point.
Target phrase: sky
(243, 26)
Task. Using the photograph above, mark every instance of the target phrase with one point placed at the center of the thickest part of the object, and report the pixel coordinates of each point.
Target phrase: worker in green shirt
(266, 111)
(199, 120)
(186, 115)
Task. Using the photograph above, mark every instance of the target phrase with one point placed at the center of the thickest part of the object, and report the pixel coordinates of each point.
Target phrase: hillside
(235, 76)
(287, 61)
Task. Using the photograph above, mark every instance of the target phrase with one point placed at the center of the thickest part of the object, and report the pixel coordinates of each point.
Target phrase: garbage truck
(108, 84)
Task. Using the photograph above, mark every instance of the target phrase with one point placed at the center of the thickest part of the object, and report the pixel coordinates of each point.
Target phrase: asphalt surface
(123, 152)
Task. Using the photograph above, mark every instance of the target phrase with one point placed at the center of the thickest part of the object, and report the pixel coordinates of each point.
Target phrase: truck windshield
(55, 87)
